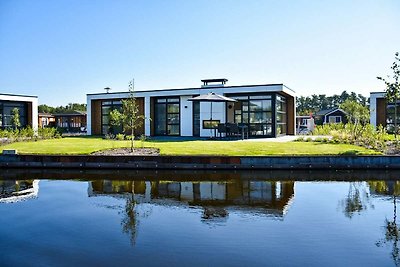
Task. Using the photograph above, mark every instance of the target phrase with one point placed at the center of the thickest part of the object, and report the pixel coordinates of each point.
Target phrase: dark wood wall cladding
(96, 117)
(381, 111)
(139, 131)
(291, 115)
(29, 114)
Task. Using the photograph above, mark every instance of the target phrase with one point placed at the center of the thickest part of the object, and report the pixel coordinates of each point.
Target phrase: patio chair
(234, 130)
(222, 129)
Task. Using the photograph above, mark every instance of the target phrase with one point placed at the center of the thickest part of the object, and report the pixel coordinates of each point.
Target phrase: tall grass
(362, 135)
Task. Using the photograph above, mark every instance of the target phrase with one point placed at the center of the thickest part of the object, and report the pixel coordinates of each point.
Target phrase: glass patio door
(167, 116)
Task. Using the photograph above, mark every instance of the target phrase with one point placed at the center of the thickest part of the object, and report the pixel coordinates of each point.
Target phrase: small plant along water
(198, 218)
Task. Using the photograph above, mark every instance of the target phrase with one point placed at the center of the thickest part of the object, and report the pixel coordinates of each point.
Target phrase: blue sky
(61, 50)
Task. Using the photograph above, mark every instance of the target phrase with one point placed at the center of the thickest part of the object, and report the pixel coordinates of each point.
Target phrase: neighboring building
(18, 190)
(46, 120)
(382, 112)
(267, 110)
(71, 122)
(27, 106)
(304, 124)
(333, 115)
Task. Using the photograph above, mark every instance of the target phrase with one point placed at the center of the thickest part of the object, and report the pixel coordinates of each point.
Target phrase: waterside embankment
(199, 162)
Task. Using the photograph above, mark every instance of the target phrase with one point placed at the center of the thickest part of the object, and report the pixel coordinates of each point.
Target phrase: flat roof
(18, 95)
(196, 88)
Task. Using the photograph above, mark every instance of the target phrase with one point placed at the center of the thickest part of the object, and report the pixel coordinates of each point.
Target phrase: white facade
(28, 99)
(373, 106)
(186, 106)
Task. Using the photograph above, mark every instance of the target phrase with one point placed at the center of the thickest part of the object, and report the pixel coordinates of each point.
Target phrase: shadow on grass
(351, 153)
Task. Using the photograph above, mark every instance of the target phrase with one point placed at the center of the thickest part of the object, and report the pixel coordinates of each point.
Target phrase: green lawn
(87, 145)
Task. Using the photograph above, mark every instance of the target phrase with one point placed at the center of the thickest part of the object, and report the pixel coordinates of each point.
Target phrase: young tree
(356, 113)
(132, 119)
(393, 87)
(15, 121)
(115, 118)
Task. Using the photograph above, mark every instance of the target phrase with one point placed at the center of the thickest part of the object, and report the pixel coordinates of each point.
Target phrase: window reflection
(266, 197)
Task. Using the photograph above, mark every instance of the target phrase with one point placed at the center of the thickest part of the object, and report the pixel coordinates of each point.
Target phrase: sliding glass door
(167, 116)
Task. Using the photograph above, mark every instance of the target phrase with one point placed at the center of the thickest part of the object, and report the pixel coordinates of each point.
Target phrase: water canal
(111, 218)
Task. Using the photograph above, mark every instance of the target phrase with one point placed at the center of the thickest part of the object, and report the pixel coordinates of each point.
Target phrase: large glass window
(6, 113)
(280, 103)
(167, 116)
(256, 112)
(264, 115)
(106, 108)
(196, 118)
(390, 116)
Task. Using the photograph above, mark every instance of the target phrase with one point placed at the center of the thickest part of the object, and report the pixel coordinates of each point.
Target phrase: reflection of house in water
(384, 188)
(18, 190)
(265, 197)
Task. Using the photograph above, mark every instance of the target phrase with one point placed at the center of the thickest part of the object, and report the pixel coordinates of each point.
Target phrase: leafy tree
(115, 118)
(357, 114)
(62, 109)
(45, 109)
(131, 118)
(315, 103)
(15, 121)
(392, 83)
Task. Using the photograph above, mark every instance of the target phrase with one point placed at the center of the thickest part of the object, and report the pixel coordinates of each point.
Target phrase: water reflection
(212, 215)
(357, 199)
(389, 189)
(270, 198)
(18, 190)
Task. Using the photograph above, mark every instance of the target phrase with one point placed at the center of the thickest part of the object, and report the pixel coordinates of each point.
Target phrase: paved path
(285, 138)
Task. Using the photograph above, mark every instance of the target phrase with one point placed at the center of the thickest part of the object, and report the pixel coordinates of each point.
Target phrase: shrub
(120, 137)
(109, 136)
(362, 135)
(48, 133)
(143, 138)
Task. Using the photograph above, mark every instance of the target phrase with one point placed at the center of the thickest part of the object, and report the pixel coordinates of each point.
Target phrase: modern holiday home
(27, 109)
(265, 110)
(382, 111)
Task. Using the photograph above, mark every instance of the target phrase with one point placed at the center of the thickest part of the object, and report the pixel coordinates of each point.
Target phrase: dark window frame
(112, 103)
(168, 101)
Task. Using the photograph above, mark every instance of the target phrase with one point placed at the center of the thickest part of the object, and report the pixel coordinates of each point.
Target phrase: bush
(109, 136)
(120, 137)
(48, 133)
(27, 134)
(362, 135)
(300, 139)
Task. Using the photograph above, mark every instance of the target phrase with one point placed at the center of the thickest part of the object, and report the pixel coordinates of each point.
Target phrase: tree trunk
(395, 117)
(132, 136)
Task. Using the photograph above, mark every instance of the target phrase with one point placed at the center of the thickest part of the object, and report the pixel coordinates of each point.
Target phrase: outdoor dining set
(233, 130)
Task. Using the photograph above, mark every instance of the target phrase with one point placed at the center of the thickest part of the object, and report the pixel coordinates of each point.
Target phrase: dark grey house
(333, 115)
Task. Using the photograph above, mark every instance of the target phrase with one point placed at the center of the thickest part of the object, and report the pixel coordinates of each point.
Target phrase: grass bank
(87, 145)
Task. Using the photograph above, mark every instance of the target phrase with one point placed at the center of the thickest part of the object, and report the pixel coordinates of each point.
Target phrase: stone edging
(199, 162)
